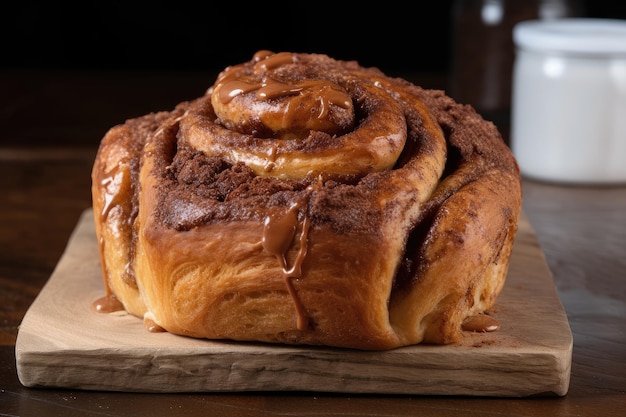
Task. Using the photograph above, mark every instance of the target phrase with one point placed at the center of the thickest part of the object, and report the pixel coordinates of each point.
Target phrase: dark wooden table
(51, 124)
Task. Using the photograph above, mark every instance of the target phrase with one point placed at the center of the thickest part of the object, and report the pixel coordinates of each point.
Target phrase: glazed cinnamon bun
(307, 200)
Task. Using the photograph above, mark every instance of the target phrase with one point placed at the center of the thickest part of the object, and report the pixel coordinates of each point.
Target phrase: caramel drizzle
(151, 326)
(480, 323)
(272, 153)
(267, 60)
(112, 184)
(107, 303)
(278, 234)
(232, 84)
(271, 89)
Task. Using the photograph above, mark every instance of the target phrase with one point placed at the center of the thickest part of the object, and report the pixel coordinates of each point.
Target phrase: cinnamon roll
(307, 200)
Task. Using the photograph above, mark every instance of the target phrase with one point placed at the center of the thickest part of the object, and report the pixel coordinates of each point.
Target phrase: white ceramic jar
(568, 109)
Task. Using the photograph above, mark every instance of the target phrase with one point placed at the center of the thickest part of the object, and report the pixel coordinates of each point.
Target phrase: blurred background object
(464, 47)
(483, 52)
(568, 105)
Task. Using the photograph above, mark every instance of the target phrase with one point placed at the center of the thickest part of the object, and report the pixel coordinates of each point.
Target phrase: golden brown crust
(276, 230)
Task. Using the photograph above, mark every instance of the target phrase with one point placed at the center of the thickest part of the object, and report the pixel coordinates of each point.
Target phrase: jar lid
(576, 35)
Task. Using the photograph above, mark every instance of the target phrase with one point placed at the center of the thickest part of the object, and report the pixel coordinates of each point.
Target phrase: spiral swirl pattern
(311, 201)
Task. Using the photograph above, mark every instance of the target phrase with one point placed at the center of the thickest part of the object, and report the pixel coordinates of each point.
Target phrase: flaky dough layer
(305, 200)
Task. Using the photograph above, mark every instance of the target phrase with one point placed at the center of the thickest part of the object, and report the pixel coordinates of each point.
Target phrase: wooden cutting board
(63, 342)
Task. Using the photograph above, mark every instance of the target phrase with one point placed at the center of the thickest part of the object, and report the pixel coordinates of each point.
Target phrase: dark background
(68, 73)
(120, 35)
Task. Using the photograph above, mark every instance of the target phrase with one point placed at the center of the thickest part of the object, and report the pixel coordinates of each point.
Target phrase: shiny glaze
(315, 95)
(113, 183)
(480, 323)
(107, 303)
(279, 231)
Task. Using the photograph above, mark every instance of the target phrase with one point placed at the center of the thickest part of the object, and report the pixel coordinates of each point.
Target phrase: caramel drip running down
(278, 235)
(108, 303)
(112, 183)
(151, 326)
(481, 323)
